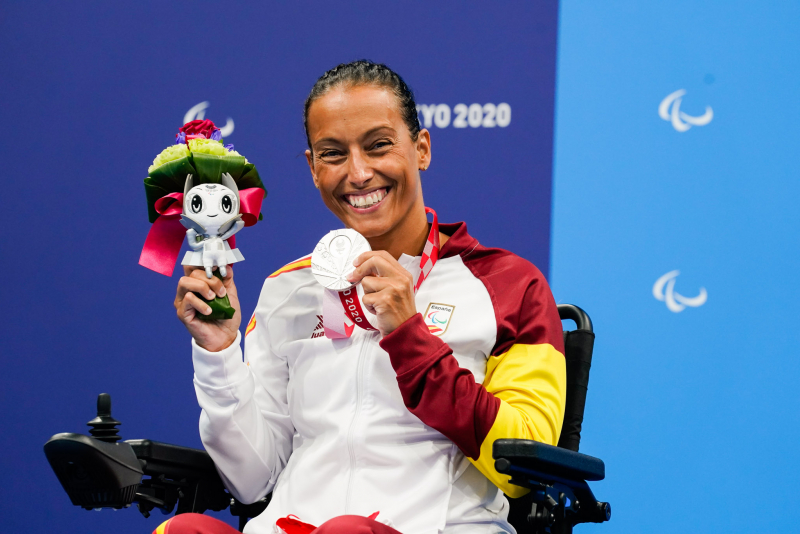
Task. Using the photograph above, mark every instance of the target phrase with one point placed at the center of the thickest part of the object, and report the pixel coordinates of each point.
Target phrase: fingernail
(210, 295)
(208, 311)
(350, 276)
(222, 292)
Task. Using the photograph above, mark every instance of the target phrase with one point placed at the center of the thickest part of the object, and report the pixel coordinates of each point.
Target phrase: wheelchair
(100, 471)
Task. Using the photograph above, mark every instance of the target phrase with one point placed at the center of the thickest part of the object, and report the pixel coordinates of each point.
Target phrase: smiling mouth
(367, 200)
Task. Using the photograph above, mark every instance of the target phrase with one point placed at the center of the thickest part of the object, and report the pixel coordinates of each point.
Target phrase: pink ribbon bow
(163, 243)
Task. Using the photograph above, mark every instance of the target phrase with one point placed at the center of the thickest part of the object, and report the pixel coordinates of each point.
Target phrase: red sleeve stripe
(435, 389)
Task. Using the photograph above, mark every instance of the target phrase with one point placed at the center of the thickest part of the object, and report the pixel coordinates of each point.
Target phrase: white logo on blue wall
(664, 290)
(670, 110)
(199, 112)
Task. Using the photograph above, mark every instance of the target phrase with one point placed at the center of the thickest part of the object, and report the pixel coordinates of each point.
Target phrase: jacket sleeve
(245, 424)
(523, 394)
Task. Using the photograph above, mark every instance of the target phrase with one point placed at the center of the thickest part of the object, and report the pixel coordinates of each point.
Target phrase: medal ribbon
(344, 307)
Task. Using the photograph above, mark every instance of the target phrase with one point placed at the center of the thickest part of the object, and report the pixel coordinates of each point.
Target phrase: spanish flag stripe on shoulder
(250, 325)
(302, 263)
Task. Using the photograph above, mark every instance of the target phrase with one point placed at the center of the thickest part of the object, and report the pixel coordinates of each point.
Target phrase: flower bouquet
(198, 158)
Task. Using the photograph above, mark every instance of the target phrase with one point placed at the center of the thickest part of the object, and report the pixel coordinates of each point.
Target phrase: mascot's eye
(197, 203)
(227, 205)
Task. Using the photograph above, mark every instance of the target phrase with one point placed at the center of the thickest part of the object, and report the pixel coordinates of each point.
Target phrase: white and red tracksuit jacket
(402, 424)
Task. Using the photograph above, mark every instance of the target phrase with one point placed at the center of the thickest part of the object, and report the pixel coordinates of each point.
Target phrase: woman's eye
(227, 205)
(330, 154)
(197, 204)
(381, 144)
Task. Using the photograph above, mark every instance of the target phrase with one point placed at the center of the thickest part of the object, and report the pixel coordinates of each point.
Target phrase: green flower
(207, 146)
(171, 153)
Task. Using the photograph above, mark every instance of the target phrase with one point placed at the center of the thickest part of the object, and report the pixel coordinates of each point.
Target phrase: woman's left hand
(388, 289)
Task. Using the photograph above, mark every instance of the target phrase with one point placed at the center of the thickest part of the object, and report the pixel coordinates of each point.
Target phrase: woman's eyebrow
(378, 129)
(331, 140)
(365, 135)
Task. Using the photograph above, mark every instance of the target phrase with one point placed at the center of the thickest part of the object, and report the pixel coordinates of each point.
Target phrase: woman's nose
(360, 170)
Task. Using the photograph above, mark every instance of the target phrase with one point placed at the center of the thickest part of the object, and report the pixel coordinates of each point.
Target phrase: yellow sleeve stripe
(162, 528)
(250, 325)
(299, 264)
(531, 383)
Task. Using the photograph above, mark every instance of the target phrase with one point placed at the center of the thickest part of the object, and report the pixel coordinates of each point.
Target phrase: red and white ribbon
(343, 310)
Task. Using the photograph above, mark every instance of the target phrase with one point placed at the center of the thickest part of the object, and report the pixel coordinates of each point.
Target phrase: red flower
(204, 127)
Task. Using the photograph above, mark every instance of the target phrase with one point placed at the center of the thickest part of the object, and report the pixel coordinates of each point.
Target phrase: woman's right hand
(213, 336)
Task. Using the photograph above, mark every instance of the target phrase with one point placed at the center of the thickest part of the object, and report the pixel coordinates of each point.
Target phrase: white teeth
(366, 201)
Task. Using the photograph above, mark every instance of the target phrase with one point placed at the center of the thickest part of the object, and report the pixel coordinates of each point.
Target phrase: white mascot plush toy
(211, 214)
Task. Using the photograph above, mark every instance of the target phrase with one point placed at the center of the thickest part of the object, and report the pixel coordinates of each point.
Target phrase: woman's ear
(423, 149)
(310, 160)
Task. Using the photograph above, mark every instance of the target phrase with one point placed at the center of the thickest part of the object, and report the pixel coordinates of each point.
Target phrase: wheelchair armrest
(178, 475)
(557, 477)
(551, 462)
(173, 461)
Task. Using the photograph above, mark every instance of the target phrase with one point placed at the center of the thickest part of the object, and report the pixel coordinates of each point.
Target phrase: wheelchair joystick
(96, 472)
(104, 427)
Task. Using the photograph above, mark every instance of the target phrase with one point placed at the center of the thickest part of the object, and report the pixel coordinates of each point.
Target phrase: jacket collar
(460, 241)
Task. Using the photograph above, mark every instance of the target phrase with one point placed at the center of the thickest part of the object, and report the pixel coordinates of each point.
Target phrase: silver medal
(332, 259)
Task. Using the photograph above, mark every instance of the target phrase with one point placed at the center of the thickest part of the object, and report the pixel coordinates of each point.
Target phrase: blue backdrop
(91, 92)
(694, 412)
(675, 134)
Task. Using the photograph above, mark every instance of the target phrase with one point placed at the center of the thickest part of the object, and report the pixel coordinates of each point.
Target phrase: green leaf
(153, 192)
(250, 178)
(172, 175)
(221, 309)
(205, 168)
(210, 168)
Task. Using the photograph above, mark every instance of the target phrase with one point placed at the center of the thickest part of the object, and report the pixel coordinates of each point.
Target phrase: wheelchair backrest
(578, 345)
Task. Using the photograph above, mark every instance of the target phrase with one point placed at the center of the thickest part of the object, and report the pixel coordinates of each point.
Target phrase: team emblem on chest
(437, 317)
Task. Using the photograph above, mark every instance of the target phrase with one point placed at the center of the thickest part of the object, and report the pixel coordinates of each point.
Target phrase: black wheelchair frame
(103, 472)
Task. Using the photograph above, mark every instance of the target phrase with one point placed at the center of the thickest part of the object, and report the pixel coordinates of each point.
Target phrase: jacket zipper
(351, 431)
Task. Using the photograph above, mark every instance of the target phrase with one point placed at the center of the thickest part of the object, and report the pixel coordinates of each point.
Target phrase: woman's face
(363, 159)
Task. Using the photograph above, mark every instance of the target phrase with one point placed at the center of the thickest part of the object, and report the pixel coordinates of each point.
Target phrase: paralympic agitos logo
(199, 112)
(437, 317)
(670, 110)
(664, 290)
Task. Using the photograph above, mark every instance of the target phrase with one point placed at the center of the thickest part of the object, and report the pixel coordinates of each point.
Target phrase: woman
(401, 420)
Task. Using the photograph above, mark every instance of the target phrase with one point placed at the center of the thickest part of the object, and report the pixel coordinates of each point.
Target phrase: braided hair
(365, 72)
